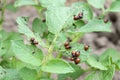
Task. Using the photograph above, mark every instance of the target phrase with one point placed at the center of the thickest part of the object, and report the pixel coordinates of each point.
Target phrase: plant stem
(104, 12)
(2, 14)
(50, 50)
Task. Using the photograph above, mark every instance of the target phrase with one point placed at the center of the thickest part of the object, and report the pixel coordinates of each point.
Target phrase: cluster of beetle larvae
(74, 54)
(33, 41)
(80, 16)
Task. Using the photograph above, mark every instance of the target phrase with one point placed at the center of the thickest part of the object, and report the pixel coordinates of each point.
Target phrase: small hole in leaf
(2, 47)
(33, 52)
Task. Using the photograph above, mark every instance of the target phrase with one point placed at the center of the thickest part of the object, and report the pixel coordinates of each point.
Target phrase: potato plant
(51, 45)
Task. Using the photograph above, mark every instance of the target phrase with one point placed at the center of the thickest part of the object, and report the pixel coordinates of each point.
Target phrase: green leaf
(94, 26)
(50, 37)
(2, 73)
(11, 7)
(24, 29)
(56, 18)
(12, 74)
(3, 35)
(110, 56)
(55, 3)
(79, 23)
(23, 53)
(115, 6)
(5, 43)
(76, 25)
(61, 17)
(97, 3)
(78, 72)
(82, 7)
(36, 52)
(57, 66)
(107, 61)
(45, 79)
(114, 0)
(94, 63)
(26, 74)
(5, 48)
(38, 26)
(18, 64)
(114, 54)
(102, 75)
(118, 64)
(61, 39)
(19, 3)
